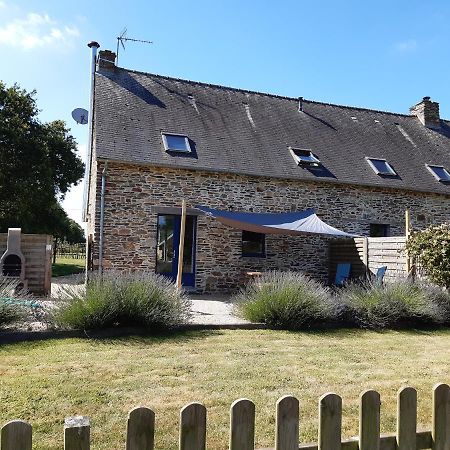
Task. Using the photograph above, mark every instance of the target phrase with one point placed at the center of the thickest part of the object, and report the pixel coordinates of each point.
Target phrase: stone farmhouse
(157, 140)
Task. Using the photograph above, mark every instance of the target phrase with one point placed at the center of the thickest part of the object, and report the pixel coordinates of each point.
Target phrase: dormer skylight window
(304, 157)
(439, 172)
(381, 167)
(176, 143)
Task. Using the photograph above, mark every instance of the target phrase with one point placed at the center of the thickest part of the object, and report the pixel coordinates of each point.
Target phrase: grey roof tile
(132, 109)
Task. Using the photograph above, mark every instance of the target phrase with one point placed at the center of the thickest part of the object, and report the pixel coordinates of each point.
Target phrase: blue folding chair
(342, 273)
(380, 274)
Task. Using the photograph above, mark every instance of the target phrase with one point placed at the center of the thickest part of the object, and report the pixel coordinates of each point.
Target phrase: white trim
(391, 172)
(435, 175)
(166, 144)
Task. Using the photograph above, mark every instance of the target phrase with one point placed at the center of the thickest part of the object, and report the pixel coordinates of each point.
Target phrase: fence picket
(193, 427)
(369, 421)
(141, 429)
(77, 432)
(16, 435)
(287, 424)
(330, 422)
(407, 418)
(441, 417)
(242, 425)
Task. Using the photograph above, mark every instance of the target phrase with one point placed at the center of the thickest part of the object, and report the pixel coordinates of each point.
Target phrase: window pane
(441, 173)
(379, 230)
(383, 167)
(175, 142)
(253, 244)
(164, 246)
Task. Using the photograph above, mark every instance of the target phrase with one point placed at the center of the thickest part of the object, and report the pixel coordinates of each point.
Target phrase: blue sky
(383, 55)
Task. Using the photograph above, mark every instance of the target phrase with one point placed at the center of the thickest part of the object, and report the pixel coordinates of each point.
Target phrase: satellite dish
(80, 116)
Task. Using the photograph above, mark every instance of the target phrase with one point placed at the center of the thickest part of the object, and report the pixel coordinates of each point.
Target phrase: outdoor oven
(12, 262)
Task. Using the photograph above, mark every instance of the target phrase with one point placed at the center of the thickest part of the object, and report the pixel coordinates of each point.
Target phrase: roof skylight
(304, 157)
(381, 167)
(439, 172)
(176, 143)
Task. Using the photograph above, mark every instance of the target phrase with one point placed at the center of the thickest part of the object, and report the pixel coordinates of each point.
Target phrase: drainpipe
(102, 219)
(94, 47)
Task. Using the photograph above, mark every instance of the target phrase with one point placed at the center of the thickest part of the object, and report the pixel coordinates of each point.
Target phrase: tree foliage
(38, 164)
(431, 249)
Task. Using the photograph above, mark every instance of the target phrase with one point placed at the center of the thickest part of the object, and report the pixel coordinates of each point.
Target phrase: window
(304, 157)
(253, 244)
(381, 167)
(379, 230)
(176, 143)
(440, 173)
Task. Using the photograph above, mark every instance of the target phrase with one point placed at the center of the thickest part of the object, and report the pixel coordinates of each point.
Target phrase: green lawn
(43, 382)
(67, 266)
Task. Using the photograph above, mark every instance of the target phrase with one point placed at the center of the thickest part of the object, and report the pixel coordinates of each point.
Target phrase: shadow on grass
(125, 335)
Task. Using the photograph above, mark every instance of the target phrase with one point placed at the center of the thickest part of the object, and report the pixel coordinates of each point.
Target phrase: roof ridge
(268, 94)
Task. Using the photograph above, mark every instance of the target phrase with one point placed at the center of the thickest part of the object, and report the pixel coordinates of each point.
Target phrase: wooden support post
(77, 433)
(407, 233)
(242, 425)
(16, 435)
(141, 429)
(193, 427)
(330, 422)
(181, 247)
(369, 421)
(407, 419)
(441, 417)
(287, 424)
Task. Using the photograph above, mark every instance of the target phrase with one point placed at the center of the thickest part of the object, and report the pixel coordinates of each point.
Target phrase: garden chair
(379, 276)
(342, 273)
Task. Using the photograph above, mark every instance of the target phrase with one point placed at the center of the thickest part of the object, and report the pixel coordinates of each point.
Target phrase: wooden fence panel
(16, 435)
(193, 427)
(141, 429)
(242, 425)
(406, 418)
(287, 423)
(441, 417)
(77, 432)
(330, 422)
(369, 421)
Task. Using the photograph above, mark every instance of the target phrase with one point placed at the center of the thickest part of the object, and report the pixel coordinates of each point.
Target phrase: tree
(431, 249)
(38, 164)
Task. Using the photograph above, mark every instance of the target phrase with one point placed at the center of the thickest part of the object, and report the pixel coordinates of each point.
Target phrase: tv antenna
(122, 38)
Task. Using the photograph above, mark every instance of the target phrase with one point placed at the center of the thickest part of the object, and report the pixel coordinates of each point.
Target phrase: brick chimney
(106, 60)
(427, 112)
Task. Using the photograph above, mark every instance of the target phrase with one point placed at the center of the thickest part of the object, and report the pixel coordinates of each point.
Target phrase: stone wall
(131, 225)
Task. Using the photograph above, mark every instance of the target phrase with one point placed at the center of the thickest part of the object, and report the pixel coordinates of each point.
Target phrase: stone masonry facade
(130, 228)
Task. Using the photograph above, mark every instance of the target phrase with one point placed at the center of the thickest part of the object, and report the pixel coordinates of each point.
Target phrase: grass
(67, 266)
(43, 382)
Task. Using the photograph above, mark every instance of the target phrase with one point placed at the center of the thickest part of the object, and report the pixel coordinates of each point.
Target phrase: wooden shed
(27, 257)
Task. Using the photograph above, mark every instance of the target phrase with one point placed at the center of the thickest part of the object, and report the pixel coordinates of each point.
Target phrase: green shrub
(287, 300)
(125, 299)
(400, 303)
(431, 249)
(14, 305)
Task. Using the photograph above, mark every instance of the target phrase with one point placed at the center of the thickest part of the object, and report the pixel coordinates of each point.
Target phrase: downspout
(87, 175)
(102, 219)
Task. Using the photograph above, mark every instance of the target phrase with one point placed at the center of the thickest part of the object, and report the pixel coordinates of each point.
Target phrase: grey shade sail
(293, 223)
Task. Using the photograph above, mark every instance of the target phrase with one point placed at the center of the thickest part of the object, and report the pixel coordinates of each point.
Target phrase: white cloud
(36, 30)
(407, 46)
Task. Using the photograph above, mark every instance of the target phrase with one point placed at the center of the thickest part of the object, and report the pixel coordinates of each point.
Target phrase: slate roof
(246, 132)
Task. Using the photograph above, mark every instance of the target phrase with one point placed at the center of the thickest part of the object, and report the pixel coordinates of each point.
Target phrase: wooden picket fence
(17, 434)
